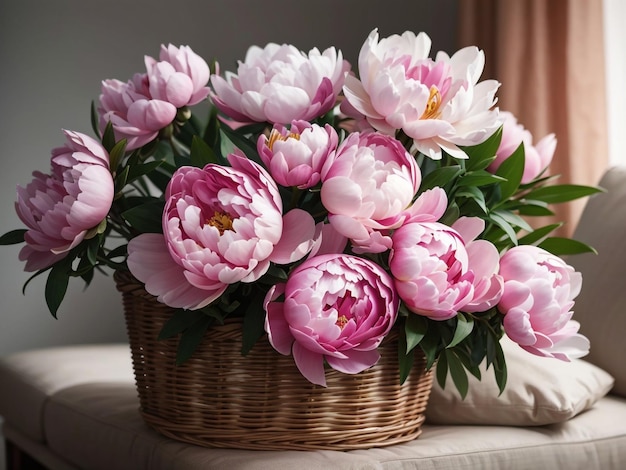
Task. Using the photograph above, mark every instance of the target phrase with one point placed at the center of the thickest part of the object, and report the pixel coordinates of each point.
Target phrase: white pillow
(539, 391)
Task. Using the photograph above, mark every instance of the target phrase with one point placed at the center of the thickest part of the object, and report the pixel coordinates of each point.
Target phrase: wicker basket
(220, 399)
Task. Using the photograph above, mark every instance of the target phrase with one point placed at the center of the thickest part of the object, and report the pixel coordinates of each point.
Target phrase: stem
(295, 197)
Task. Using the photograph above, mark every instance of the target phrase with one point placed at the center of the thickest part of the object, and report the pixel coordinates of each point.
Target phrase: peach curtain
(548, 55)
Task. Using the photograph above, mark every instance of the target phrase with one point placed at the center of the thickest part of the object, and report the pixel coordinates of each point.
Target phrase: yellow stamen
(275, 135)
(434, 103)
(222, 221)
(341, 322)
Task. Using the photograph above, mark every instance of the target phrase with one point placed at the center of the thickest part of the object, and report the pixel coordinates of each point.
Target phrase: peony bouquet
(323, 204)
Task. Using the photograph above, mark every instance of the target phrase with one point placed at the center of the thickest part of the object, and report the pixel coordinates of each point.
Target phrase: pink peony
(134, 115)
(141, 107)
(438, 103)
(368, 189)
(539, 292)
(60, 209)
(336, 308)
(221, 225)
(430, 266)
(295, 157)
(180, 76)
(537, 157)
(281, 84)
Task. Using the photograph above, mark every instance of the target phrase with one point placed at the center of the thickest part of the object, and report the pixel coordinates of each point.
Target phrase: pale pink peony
(295, 156)
(134, 115)
(537, 157)
(539, 292)
(141, 107)
(438, 103)
(430, 266)
(180, 77)
(280, 84)
(221, 225)
(60, 209)
(336, 308)
(368, 189)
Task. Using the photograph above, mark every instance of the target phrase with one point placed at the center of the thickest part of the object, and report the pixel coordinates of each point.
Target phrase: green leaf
(405, 360)
(492, 344)
(211, 131)
(512, 170)
(470, 366)
(481, 155)
(253, 324)
(201, 153)
(474, 194)
(440, 177)
(242, 143)
(191, 338)
(560, 246)
(138, 170)
(13, 237)
(442, 371)
(56, 285)
(464, 327)
(534, 209)
(121, 179)
(108, 137)
(159, 178)
(118, 252)
(562, 193)
(499, 366)
(513, 219)
(87, 276)
(538, 234)
(415, 328)
(504, 225)
(430, 346)
(116, 154)
(146, 218)
(95, 119)
(179, 322)
(93, 247)
(479, 178)
(457, 371)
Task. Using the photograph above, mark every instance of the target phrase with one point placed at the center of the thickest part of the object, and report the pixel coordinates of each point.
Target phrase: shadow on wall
(54, 55)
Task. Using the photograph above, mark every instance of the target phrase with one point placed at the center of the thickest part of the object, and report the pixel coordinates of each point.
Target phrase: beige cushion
(601, 305)
(98, 427)
(29, 378)
(539, 391)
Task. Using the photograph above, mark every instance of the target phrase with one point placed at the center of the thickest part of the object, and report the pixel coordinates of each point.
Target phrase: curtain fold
(549, 57)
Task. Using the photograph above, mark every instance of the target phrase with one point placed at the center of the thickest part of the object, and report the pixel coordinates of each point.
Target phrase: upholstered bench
(76, 407)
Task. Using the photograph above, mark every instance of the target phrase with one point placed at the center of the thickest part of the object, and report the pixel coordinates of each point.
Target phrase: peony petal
(277, 327)
(357, 361)
(310, 365)
(297, 237)
(150, 262)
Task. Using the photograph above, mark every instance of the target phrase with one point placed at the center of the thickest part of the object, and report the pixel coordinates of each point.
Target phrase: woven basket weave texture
(219, 398)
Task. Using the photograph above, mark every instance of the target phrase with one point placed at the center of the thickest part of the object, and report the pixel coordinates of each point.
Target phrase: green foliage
(201, 153)
(253, 323)
(56, 285)
(145, 218)
(13, 237)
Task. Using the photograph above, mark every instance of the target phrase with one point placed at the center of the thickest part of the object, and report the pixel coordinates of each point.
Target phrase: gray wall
(53, 55)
